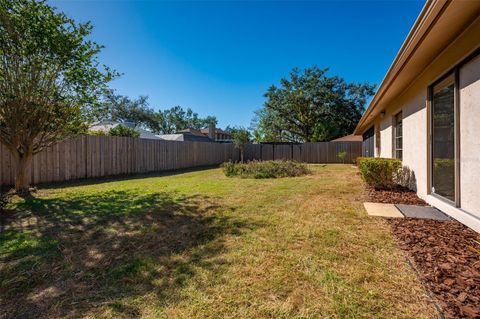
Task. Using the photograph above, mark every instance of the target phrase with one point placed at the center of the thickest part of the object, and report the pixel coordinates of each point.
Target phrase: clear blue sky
(219, 57)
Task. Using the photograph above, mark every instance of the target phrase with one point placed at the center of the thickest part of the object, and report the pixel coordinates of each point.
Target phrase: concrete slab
(382, 210)
(413, 211)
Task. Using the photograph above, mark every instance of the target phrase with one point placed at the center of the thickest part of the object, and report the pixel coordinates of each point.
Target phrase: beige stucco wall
(415, 141)
(415, 138)
(413, 103)
(386, 135)
(470, 137)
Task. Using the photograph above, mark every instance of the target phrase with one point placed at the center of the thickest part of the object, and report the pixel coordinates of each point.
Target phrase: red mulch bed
(395, 196)
(447, 257)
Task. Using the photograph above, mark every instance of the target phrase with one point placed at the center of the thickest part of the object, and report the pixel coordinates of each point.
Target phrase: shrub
(97, 133)
(342, 155)
(121, 130)
(381, 173)
(265, 169)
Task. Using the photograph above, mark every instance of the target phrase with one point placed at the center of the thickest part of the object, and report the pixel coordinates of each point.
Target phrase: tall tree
(123, 109)
(311, 106)
(50, 79)
(177, 118)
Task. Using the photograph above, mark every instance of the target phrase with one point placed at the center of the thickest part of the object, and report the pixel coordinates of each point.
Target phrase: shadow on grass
(67, 256)
(122, 177)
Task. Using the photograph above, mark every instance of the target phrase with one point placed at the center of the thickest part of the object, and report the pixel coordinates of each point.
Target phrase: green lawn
(201, 245)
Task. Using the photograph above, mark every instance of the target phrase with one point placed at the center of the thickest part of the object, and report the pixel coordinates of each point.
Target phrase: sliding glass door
(443, 139)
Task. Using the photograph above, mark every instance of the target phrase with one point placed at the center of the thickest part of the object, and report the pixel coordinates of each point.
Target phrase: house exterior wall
(413, 102)
(469, 87)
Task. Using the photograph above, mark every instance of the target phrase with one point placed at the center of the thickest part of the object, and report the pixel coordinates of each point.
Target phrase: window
(378, 141)
(367, 144)
(398, 136)
(443, 139)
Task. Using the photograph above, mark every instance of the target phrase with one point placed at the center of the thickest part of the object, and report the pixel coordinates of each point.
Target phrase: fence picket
(97, 156)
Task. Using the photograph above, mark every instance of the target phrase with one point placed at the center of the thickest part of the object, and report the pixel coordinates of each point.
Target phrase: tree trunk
(241, 156)
(21, 180)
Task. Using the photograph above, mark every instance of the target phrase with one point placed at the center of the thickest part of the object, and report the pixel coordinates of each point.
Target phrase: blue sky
(219, 57)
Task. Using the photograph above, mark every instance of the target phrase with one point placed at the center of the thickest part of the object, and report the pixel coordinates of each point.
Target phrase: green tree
(269, 126)
(121, 130)
(241, 138)
(123, 109)
(50, 79)
(311, 106)
(176, 119)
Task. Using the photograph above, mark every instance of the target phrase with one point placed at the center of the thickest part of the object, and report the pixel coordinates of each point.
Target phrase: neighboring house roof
(438, 24)
(184, 137)
(107, 125)
(348, 138)
(171, 137)
(103, 126)
(203, 131)
(192, 131)
(205, 134)
(147, 134)
(217, 131)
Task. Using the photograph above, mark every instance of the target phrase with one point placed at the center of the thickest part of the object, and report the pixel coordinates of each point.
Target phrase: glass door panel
(443, 140)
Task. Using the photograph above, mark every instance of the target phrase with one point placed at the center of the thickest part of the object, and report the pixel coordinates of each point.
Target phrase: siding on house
(413, 102)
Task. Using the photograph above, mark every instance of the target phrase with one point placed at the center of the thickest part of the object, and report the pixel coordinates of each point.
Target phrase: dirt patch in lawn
(395, 196)
(447, 257)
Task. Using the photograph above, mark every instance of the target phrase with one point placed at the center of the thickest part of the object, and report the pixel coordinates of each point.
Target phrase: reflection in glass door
(443, 139)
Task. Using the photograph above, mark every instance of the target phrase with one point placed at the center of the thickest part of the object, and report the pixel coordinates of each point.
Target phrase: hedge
(380, 173)
(265, 169)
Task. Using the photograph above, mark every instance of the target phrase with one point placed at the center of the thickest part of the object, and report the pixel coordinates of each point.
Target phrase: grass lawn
(201, 245)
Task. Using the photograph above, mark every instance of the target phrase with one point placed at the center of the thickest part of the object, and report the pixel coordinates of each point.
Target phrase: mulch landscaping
(399, 195)
(446, 255)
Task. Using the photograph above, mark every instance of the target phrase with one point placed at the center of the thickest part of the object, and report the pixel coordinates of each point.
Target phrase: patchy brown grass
(201, 245)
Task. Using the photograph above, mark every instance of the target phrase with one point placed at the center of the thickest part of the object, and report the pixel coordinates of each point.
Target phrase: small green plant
(121, 130)
(380, 173)
(97, 133)
(342, 155)
(4, 198)
(265, 169)
(241, 138)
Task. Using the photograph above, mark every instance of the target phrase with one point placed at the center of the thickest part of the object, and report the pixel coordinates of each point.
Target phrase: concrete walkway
(422, 212)
(382, 210)
(401, 211)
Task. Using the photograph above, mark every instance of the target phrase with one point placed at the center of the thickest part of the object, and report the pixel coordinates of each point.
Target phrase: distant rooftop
(106, 125)
(184, 137)
(192, 131)
(349, 138)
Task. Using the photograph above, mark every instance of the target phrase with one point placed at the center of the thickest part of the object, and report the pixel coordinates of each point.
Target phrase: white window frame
(395, 147)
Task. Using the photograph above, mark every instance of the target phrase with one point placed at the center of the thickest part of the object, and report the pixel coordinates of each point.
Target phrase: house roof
(184, 137)
(192, 131)
(107, 125)
(437, 25)
(171, 137)
(348, 138)
(217, 130)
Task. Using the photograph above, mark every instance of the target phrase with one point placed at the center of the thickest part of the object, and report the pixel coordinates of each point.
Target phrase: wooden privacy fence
(321, 152)
(97, 156)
